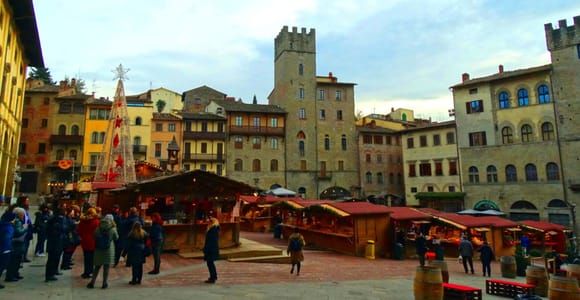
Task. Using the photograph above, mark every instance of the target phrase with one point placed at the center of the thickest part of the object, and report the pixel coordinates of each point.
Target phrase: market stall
(544, 236)
(405, 223)
(257, 213)
(345, 227)
(186, 201)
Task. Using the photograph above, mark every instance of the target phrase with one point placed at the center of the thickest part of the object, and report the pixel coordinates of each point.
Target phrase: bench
(460, 292)
(508, 289)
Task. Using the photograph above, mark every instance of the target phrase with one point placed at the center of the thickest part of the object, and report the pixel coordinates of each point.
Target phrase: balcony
(139, 149)
(203, 157)
(251, 130)
(61, 139)
(187, 135)
(324, 175)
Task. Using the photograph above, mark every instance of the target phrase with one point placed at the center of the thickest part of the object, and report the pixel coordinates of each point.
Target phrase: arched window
(59, 154)
(399, 178)
(526, 133)
(523, 204)
(557, 203)
(380, 179)
(473, 175)
(531, 173)
(326, 142)
(543, 94)
(94, 137)
(62, 130)
(504, 100)
(404, 117)
(72, 154)
(523, 99)
(507, 135)
(238, 165)
(302, 191)
(511, 174)
(552, 171)
(491, 174)
(274, 165)
(547, 131)
(301, 147)
(138, 121)
(369, 177)
(343, 142)
(137, 141)
(256, 165)
(74, 130)
(525, 210)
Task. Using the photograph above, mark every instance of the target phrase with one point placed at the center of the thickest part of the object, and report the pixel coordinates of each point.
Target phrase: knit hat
(109, 218)
(91, 212)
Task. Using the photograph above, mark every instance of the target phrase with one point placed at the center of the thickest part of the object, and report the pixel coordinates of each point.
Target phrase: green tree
(80, 86)
(42, 74)
(160, 105)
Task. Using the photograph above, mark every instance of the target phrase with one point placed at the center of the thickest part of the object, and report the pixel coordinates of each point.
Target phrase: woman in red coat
(86, 229)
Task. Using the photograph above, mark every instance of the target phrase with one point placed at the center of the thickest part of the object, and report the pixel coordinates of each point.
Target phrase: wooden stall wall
(371, 227)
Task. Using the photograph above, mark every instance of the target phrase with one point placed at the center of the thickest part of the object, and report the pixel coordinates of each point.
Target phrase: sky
(401, 54)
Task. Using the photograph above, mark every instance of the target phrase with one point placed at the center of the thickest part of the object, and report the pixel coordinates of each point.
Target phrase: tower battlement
(295, 41)
(564, 36)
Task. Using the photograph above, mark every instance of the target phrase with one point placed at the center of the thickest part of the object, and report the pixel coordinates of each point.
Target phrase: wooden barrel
(443, 266)
(537, 275)
(428, 284)
(563, 288)
(508, 266)
(573, 271)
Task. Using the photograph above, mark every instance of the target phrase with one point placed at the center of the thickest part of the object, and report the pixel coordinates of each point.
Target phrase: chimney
(330, 74)
(392, 109)
(500, 67)
(464, 77)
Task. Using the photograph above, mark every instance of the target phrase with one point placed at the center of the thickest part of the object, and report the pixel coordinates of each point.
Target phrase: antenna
(150, 85)
(94, 86)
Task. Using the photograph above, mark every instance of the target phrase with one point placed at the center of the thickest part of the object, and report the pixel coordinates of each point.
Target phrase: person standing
(136, 252)
(127, 226)
(157, 236)
(55, 235)
(525, 244)
(18, 245)
(86, 229)
(421, 248)
(211, 249)
(486, 256)
(118, 219)
(72, 239)
(105, 237)
(6, 235)
(24, 203)
(295, 245)
(40, 220)
(466, 252)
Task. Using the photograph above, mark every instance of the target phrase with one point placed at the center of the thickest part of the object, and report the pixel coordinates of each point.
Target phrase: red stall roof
(407, 213)
(306, 202)
(267, 199)
(467, 221)
(542, 225)
(360, 208)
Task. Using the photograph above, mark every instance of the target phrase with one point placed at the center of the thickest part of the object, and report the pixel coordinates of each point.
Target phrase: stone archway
(335, 193)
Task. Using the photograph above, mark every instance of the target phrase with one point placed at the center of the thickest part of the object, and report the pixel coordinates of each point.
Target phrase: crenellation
(295, 40)
(563, 36)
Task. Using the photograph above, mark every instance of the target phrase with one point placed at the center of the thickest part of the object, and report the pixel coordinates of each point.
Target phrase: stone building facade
(204, 142)
(195, 100)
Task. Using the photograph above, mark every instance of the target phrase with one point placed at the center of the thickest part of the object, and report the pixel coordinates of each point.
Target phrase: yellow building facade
(204, 142)
(140, 110)
(172, 99)
(97, 115)
(165, 128)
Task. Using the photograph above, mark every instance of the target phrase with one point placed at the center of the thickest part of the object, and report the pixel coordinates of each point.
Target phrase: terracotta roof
(504, 75)
(542, 225)
(200, 116)
(306, 202)
(74, 97)
(43, 89)
(234, 106)
(25, 19)
(431, 126)
(99, 101)
(165, 116)
(360, 208)
(407, 213)
(268, 199)
(204, 87)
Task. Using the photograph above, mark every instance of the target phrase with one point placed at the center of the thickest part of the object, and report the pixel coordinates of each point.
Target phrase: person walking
(40, 219)
(211, 249)
(6, 235)
(157, 236)
(86, 229)
(55, 235)
(105, 237)
(295, 244)
(466, 252)
(18, 244)
(525, 244)
(135, 252)
(486, 256)
(421, 248)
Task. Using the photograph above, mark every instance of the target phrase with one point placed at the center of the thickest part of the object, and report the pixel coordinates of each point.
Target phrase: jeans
(137, 272)
(52, 263)
(40, 243)
(212, 270)
(88, 258)
(156, 251)
(25, 252)
(421, 259)
(468, 259)
(14, 264)
(4, 260)
(486, 266)
(118, 251)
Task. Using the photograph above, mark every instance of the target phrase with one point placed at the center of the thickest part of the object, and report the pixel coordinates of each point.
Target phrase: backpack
(102, 240)
(295, 244)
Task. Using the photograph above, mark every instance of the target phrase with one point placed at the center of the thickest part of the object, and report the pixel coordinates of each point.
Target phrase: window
(303, 165)
(368, 158)
(369, 177)
(238, 165)
(187, 126)
(473, 91)
(473, 175)
(301, 148)
(367, 139)
(341, 165)
(300, 69)
(430, 188)
(379, 158)
(137, 141)
(238, 142)
(203, 148)
(220, 127)
(507, 136)
(274, 143)
(94, 158)
(380, 179)
(94, 137)
(204, 126)
(338, 95)
(78, 108)
(436, 140)
(326, 142)
(343, 142)
(391, 178)
(523, 99)
(72, 154)
(301, 93)
(504, 100)
(412, 172)
(453, 167)
(526, 133)
(552, 172)
(413, 190)
(93, 114)
(256, 121)
(531, 173)
(451, 188)
(302, 114)
(321, 94)
(22, 148)
(389, 140)
(171, 127)
(339, 115)
(24, 123)
(238, 121)
(399, 178)
(491, 174)
(438, 168)
(256, 165)
(410, 143)
(46, 101)
(378, 139)
(322, 114)
(158, 150)
(256, 143)
(425, 169)
(59, 154)
(543, 94)
(274, 165)
(423, 141)
(274, 122)
(158, 127)
(219, 169)
(64, 108)
(41, 148)
(547, 131)
(62, 130)
(138, 121)
(511, 174)
(474, 106)
(477, 139)
(450, 138)
(74, 130)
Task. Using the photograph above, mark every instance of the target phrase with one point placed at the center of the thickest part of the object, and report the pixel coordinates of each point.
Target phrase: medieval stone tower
(320, 128)
(564, 46)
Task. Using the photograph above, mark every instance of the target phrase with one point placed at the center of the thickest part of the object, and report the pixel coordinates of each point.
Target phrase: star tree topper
(120, 72)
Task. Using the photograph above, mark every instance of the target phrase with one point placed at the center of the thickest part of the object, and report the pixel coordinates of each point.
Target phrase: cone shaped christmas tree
(116, 164)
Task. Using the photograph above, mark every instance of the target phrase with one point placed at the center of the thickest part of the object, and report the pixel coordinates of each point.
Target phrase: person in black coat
(211, 249)
(421, 248)
(135, 250)
(127, 226)
(486, 257)
(40, 220)
(156, 235)
(55, 236)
